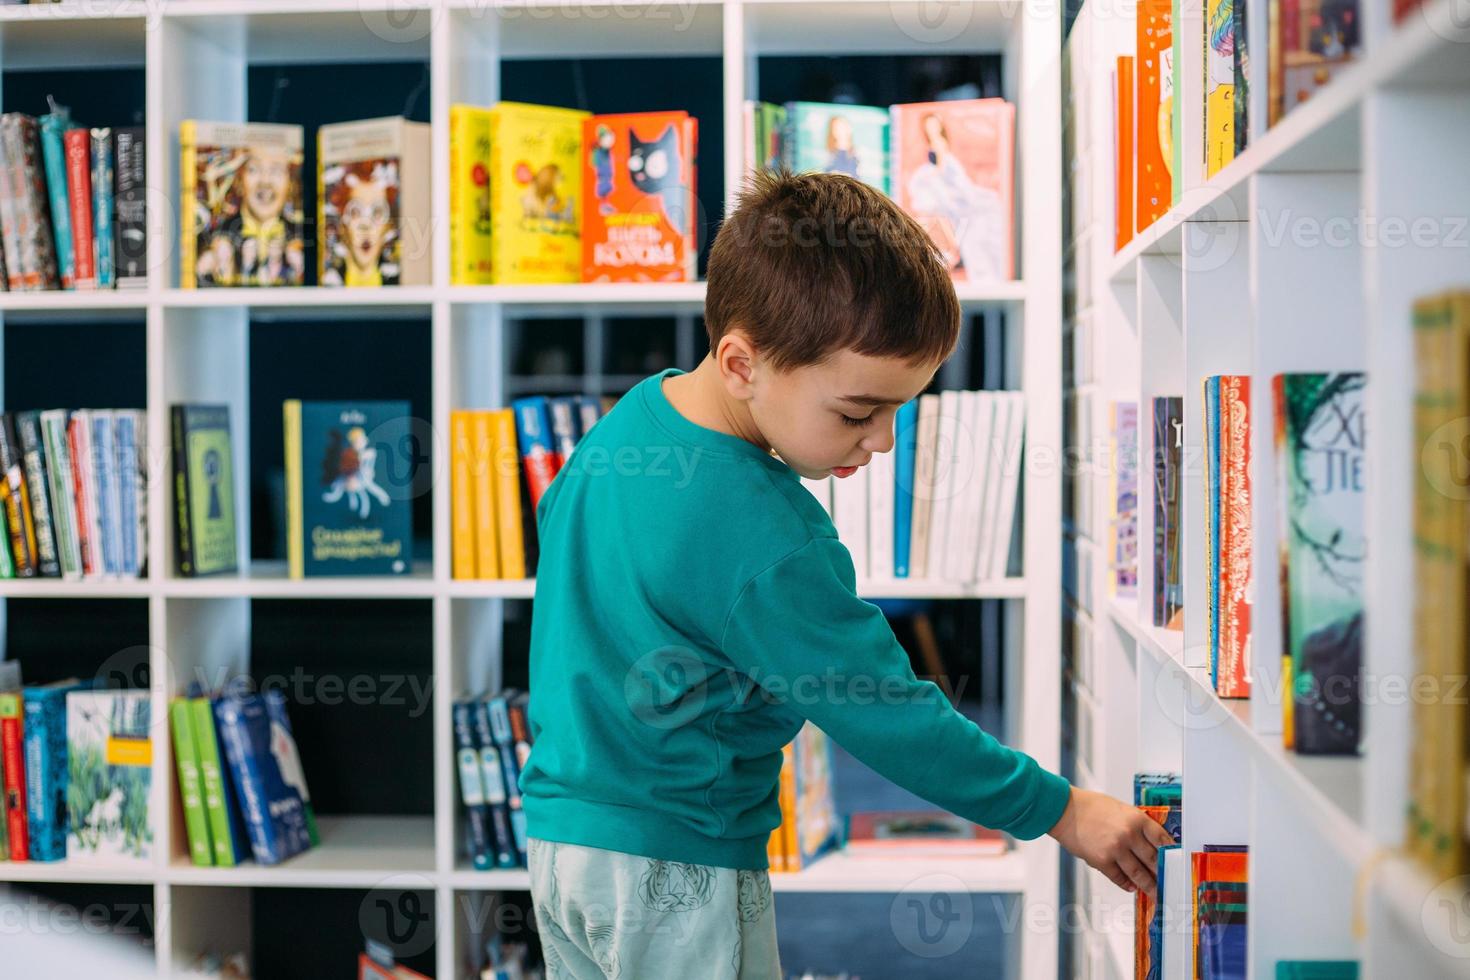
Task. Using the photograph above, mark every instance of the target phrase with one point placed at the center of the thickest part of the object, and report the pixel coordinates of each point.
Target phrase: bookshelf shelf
(197, 57)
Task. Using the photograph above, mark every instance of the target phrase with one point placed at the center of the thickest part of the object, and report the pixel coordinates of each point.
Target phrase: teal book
(1320, 420)
(1212, 518)
(110, 791)
(44, 730)
(53, 124)
(833, 138)
(904, 451)
(1316, 970)
(352, 471)
(204, 490)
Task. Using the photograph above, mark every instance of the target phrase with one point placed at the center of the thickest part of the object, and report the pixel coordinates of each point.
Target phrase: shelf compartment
(355, 852)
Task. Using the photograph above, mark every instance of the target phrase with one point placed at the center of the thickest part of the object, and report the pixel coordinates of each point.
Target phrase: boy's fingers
(1146, 851)
(1116, 876)
(1158, 835)
(1136, 872)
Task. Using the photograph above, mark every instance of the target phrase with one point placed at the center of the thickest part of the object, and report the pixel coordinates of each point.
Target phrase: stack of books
(492, 741)
(809, 826)
(1160, 796)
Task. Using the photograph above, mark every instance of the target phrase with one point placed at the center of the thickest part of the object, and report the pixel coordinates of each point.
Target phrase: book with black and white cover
(130, 223)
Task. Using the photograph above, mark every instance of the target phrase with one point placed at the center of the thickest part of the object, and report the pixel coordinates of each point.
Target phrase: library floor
(830, 934)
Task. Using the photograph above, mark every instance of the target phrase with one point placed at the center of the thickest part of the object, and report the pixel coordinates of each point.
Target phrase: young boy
(694, 607)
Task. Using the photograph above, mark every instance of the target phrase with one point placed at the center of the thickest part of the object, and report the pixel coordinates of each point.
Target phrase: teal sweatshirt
(693, 607)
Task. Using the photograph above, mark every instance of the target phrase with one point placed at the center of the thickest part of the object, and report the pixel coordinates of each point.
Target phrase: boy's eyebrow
(868, 400)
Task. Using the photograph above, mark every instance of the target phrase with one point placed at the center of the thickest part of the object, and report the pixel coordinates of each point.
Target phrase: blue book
(471, 788)
(102, 206)
(47, 778)
(589, 410)
(1222, 946)
(1212, 500)
(104, 469)
(498, 708)
(267, 775)
(837, 138)
(125, 434)
(564, 428)
(906, 432)
(275, 706)
(493, 777)
(352, 471)
(53, 124)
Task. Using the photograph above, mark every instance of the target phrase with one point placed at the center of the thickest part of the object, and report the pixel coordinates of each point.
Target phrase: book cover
(485, 559)
(492, 776)
(1211, 418)
(1318, 39)
(110, 795)
(102, 207)
(12, 754)
(227, 831)
(108, 489)
(191, 783)
(535, 193)
(1232, 668)
(1153, 75)
(130, 218)
(906, 431)
(1168, 598)
(16, 502)
(953, 171)
(1322, 501)
(266, 773)
(469, 195)
(373, 211)
(1219, 84)
(764, 124)
(1316, 970)
(838, 139)
(816, 816)
(46, 771)
(511, 527)
(472, 790)
(204, 490)
(61, 483)
(37, 246)
(638, 223)
(1175, 84)
(240, 214)
(1125, 95)
(534, 436)
(1241, 58)
(77, 144)
(33, 462)
(349, 483)
(1123, 525)
(53, 125)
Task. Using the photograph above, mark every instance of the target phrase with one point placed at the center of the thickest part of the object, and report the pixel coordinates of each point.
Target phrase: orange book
(487, 543)
(1155, 125)
(1210, 866)
(461, 494)
(638, 220)
(1233, 668)
(1123, 199)
(789, 860)
(506, 470)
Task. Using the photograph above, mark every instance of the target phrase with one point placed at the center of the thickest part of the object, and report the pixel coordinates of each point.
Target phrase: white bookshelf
(195, 55)
(1291, 258)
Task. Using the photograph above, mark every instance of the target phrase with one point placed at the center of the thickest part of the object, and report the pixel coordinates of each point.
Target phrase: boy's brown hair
(813, 263)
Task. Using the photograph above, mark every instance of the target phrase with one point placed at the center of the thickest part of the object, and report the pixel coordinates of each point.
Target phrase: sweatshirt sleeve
(800, 631)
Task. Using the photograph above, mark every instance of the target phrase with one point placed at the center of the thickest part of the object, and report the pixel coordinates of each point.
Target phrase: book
(37, 256)
(266, 773)
(228, 834)
(881, 518)
(204, 490)
(11, 190)
(349, 481)
(463, 488)
(53, 125)
(763, 123)
(953, 172)
(1173, 96)
(47, 822)
(562, 411)
(906, 426)
(1125, 95)
(1168, 595)
(1153, 77)
(1316, 970)
(9, 684)
(814, 815)
(1220, 43)
(837, 138)
(15, 500)
(1321, 499)
(492, 775)
(77, 144)
(1000, 525)
(130, 203)
(497, 710)
(241, 218)
(61, 484)
(1123, 524)
(191, 783)
(1315, 41)
(102, 206)
(926, 462)
(470, 222)
(472, 789)
(639, 220)
(949, 437)
(920, 833)
(511, 531)
(974, 440)
(485, 558)
(12, 755)
(373, 211)
(1211, 417)
(1241, 59)
(850, 516)
(108, 490)
(535, 193)
(1230, 669)
(33, 462)
(110, 800)
(539, 456)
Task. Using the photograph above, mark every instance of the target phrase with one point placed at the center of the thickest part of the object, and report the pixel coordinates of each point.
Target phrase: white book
(850, 516)
(881, 493)
(969, 501)
(822, 490)
(1010, 485)
(946, 460)
(1178, 907)
(924, 453)
(61, 483)
(992, 459)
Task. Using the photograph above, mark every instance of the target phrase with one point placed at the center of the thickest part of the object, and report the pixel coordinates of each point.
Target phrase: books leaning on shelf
(1228, 532)
(1218, 903)
(71, 204)
(492, 741)
(948, 164)
(373, 211)
(1123, 524)
(204, 490)
(240, 779)
(1311, 42)
(1167, 453)
(942, 505)
(809, 826)
(1320, 481)
(351, 469)
(1160, 797)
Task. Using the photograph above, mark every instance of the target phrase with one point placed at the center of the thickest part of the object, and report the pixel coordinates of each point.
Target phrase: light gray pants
(606, 914)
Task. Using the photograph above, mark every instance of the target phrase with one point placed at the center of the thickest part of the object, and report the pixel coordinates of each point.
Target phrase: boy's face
(830, 418)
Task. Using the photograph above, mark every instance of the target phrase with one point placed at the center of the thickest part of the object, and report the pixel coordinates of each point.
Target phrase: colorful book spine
(926, 461)
(904, 450)
(38, 493)
(492, 774)
(28, 178)
(79, 441)
(1212, 515)
(498, 709)
(191, 783)
(47, 818)
(53, 126)
(486, 560)
(462, 488)
(538, 451)
(125, 439)
(510, 532)
(10, 191)
(16, 504)
(1154, 78)
(228, 834)
(563, 413)
(12, 753)
(1125, 95)
(78, 145)
(1220, 42)
(62, 485)
(1232, 669)
(472, 789)
(109, 499)
(130, 218)
(1241, 66)
(102, 206)
(1123, 527)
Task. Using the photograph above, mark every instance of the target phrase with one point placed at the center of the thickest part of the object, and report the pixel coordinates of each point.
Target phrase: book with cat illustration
(638, 172)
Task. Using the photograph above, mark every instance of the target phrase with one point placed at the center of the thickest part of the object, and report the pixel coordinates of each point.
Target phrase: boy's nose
(880, 441)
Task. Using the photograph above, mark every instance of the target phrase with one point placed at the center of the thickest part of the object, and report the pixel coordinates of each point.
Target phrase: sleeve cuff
(1053, 794)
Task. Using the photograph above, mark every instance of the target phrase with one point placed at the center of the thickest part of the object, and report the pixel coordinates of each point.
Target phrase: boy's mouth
(843, 471)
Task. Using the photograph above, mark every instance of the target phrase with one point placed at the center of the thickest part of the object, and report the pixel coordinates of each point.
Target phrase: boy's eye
(849, 420)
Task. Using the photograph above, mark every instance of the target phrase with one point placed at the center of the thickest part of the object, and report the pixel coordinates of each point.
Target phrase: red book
(1123, 200)
(78, 147)
(539, 457)
(1233, 670)
(1155, 44)
(79, 442)
(11, 751)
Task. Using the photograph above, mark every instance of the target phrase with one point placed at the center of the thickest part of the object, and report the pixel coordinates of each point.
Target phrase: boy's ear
(736, 358)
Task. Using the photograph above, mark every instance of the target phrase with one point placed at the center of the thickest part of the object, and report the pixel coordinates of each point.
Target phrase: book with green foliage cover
(109, 792)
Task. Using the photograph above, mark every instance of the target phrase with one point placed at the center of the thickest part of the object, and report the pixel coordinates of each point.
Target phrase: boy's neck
(700, 397)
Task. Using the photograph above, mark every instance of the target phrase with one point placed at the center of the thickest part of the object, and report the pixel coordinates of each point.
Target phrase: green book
(212, 779)
(204, 490)
(191, 790)
(1316, 970)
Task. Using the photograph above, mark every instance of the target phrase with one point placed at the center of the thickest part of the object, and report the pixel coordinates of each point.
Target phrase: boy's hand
(1117, 839)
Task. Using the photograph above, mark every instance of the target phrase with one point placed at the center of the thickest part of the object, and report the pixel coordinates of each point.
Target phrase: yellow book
(789, 844)
(507, 472)
(1219, 85)
(469, 195)
(188, 187)
(462, 488)
(295, 520)
(535, 193)
(482, 456)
